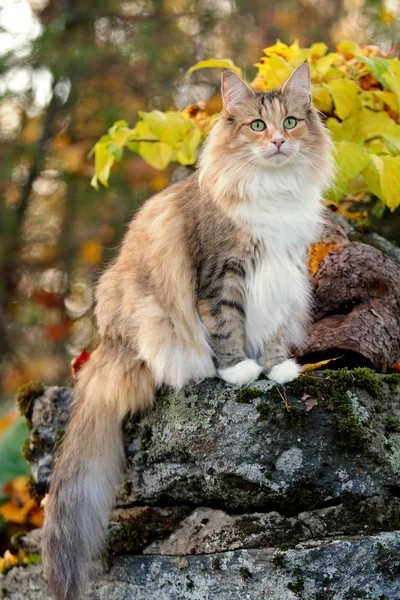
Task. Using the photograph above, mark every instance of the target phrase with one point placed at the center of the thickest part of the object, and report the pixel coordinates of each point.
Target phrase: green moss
(26, 397)
(295, 417)
(350, 433)
(248, 526)
(216, 567)
(284, 546)
(145, 441)
(391, 571)
(189, 584)
(332, 391)
(245, 573)
(392, 426)
(297, 587)
(263, 410)
(383, 551)
(305, 493)
(278, 559)
(35, 491)
(392, 380)
(31, 444)
(246, 394)
(132, 534)
(352, 594)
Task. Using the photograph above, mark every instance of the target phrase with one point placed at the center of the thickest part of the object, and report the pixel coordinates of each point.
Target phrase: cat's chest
(274, 284)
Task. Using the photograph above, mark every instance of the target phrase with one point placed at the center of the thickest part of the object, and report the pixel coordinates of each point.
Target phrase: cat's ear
(234, 91)
(299, 83)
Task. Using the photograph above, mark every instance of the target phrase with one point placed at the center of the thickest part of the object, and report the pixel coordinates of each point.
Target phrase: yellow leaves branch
(357, 89)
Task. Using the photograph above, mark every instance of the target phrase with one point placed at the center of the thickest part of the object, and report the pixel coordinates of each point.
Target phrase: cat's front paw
(242, 373)
(284, 372)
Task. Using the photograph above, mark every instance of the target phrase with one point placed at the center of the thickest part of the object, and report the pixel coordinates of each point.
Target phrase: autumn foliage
(356, 89)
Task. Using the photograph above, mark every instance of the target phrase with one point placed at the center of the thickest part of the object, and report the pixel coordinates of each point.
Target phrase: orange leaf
(396, 365)
(318, 365)
(316, 254)
(20, 508)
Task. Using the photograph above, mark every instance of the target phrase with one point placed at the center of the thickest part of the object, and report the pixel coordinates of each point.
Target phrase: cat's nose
(278, 141)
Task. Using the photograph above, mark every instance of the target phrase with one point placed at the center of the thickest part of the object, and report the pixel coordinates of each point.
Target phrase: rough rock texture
(268, 492)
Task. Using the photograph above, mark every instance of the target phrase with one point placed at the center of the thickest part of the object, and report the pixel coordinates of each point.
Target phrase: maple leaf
(78, 362)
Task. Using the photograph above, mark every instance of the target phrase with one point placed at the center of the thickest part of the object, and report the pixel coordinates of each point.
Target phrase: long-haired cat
(211, 280)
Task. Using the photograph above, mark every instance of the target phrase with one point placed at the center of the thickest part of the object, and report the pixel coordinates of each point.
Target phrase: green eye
(258, 125)
(289, 122)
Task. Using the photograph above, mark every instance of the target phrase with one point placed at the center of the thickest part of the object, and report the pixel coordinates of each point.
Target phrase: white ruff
(283, 212)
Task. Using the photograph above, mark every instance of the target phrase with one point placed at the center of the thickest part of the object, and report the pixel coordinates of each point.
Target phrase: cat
(211, 280)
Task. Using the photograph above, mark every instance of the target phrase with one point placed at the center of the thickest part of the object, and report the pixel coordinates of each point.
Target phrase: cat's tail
(89, 466)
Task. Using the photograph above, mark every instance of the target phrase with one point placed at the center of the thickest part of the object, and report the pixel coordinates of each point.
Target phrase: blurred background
(70, 69)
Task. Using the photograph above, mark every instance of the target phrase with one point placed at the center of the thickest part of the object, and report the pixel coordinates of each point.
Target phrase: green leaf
(220, 63)
(345, 96)
(382, 176)
(12, 463)
(351, 159)
(377, 66)
(157, 154)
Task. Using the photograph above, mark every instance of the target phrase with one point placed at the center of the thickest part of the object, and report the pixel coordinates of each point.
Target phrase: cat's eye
(289, 122)
(258, 125)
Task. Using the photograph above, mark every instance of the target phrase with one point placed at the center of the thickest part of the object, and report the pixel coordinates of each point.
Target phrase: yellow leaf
(322, 99)
(345, 96)
(348, 48)
(382, 175)
(372, 124)
(318, 49)
(351, 159)
(102, 164)
(220, 63)
(318, 365)
(187, 153)
(157, 154)
(388, 98)
(342, 130)
(283, 50)
(325, 63)
(91, 252)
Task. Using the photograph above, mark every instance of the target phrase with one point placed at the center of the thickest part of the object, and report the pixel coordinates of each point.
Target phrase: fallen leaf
(317, 365)
(78, 362)
(316, 254)
(305, 396)
(396, 365)
(20, 508)
(310, 403)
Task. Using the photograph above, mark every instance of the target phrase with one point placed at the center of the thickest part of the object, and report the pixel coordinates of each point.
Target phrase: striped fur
(210, 280)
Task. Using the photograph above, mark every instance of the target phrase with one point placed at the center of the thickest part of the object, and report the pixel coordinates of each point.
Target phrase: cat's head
(270, 129)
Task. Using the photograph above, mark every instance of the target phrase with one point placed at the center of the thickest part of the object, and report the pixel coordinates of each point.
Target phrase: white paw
(284, 372)
(242, 373)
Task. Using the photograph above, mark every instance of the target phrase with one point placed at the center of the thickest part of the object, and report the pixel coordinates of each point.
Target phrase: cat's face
(273, 128)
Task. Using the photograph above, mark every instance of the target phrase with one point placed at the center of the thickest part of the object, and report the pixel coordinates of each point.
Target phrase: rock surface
(264, 493)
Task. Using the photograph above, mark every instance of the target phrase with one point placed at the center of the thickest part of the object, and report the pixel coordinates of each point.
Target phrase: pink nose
(278, 142)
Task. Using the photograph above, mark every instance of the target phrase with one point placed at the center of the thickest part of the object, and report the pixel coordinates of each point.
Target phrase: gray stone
(218, 480)
(365, 567)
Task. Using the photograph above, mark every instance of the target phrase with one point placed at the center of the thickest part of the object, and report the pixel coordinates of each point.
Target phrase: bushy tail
(88, 468)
